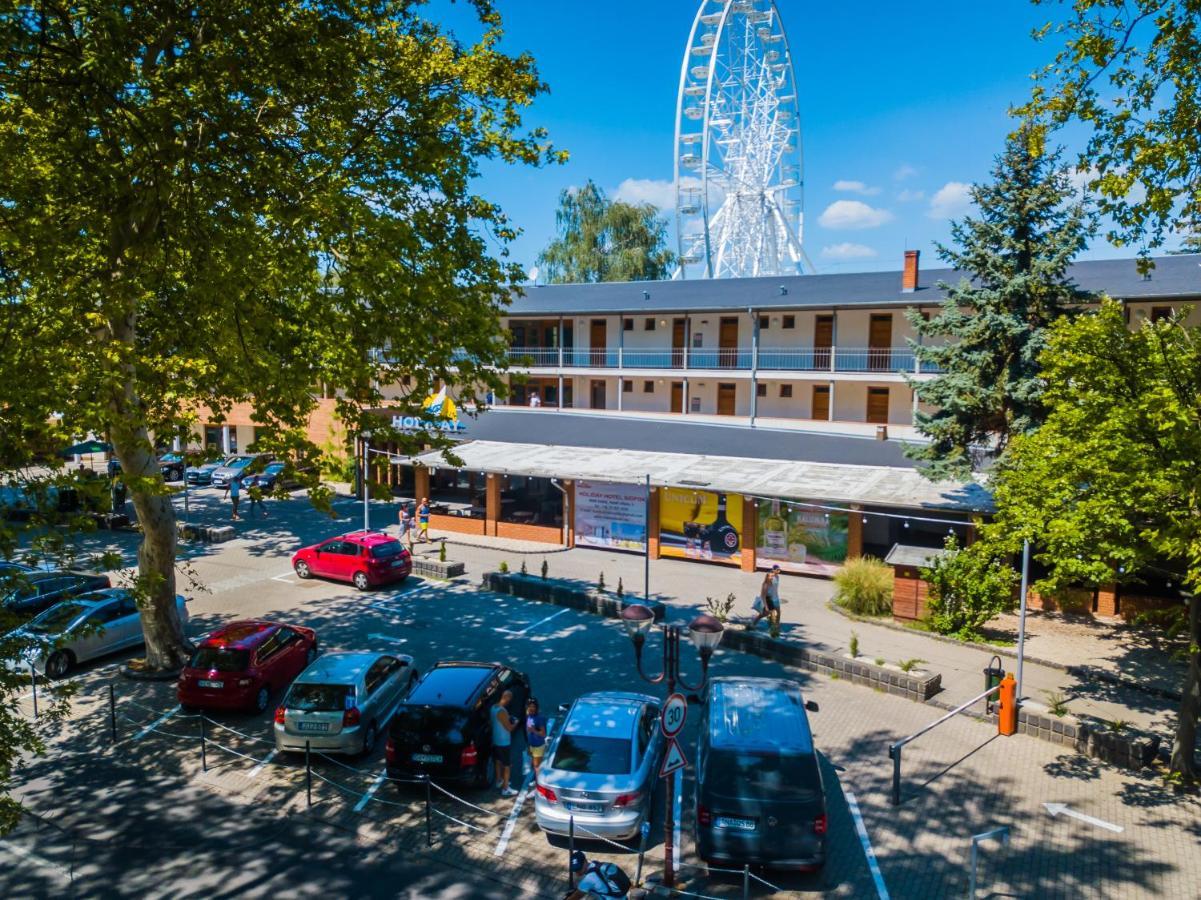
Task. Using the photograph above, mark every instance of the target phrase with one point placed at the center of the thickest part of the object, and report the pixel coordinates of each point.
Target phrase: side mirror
(811, 705)
(564, 709)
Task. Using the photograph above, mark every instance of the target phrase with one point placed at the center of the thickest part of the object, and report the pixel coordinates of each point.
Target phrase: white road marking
(262, 765)
(536, 624)
(375, 785)
(157, 722)
(389, 638)
(286, 577)
(37, 859)
(530, 778)
(677, 805)
(1056, 808)
(872, 865)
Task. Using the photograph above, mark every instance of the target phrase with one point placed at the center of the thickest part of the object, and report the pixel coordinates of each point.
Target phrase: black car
(274, 474)
(172, 466)
(29, 593)
(443, 728)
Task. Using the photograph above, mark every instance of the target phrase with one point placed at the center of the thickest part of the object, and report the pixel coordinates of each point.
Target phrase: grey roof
(1174, 277)
(618, 432)
(919, 557)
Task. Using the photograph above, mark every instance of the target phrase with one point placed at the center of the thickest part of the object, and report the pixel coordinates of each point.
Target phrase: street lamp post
(705, 633)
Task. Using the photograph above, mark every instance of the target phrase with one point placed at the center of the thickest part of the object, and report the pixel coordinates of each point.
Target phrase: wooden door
(879, 342)
(823, 340)
(677, 343)
(725, 399)
(877, 405)
(821, 402)
(596, 342)
(727, 343)
(598, 394)
(677, 396)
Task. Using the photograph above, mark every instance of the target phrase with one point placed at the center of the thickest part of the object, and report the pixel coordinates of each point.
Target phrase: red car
(364, 558)
(239, 665)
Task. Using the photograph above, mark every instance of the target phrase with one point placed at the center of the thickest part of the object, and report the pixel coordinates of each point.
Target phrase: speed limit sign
(675, 711)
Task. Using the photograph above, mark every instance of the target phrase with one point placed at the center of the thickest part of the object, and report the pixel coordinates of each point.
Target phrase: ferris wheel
(738, 173)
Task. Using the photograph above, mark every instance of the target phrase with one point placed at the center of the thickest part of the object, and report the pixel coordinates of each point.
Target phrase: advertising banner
(801, 538)
(700, 525)
(610, 515)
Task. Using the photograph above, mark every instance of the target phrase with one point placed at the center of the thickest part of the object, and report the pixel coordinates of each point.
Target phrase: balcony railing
(887, 360)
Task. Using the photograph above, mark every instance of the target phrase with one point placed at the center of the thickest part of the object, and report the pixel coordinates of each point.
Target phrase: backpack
(617, 882)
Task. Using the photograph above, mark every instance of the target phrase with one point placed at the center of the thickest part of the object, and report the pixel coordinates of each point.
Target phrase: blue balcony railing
(864, 360)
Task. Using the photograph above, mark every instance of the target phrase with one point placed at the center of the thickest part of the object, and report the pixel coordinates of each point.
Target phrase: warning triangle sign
(673, 759)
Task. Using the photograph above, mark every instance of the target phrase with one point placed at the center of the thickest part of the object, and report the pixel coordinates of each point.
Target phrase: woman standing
(535, 732)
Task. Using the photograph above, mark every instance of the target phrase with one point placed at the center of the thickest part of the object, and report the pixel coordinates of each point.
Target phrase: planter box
(433, 568)
(1126, 748)
(212, 534)
(561, 593)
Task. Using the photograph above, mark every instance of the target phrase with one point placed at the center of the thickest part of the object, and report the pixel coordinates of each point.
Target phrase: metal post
(1022, 621)
(570, 850)
(429, 827)
(366, 478)
(646, 570)
(754, 364)
(746, 881)
(112, 713)
(308, 775)
(894, 753)
(671, 666)
(646, 833)
(33, 677)
(204, 760)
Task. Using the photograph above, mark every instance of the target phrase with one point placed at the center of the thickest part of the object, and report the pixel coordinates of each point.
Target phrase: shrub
(1057, 703)
(879, 661)
(503, 568)
(968, 588)
(720, 609)
(442, 552)
(600, 583)
(524, 570)
(908, 665)
(545, 569)
(854, 645)
(864, 586)
(621, 591)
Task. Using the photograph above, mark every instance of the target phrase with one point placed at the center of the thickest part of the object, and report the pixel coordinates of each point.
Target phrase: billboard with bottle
(700, 525)
(801, 538)
(610, 515)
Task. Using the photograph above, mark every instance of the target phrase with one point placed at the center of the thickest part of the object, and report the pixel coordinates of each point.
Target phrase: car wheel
(369, 737)
(360, 581)
(303, 570)
(58, 665)
(262, 699)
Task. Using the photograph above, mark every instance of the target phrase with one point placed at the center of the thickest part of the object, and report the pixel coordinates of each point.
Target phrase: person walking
(406, 526)
(503, 725)
(767, 604)
(423, 519)
(235, 493)
(535, 733)
(255, 493)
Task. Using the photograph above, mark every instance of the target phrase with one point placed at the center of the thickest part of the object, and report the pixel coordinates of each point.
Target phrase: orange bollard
(1007, 711)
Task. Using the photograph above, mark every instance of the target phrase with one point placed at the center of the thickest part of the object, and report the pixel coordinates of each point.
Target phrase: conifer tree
(992, 326)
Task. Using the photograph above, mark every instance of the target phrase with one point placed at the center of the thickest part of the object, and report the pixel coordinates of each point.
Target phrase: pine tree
(993, 323)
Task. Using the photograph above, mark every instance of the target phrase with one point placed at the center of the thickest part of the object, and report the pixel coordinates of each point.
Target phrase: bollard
(204, 760)
(1007, 709)
(308, 775)
(894, 753)
(429, 828)
(112, 713)
(646, 833)
(746, 881)
(570, 850)
(33, 677)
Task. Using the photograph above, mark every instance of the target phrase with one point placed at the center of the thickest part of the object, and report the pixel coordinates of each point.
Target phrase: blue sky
(902, 105)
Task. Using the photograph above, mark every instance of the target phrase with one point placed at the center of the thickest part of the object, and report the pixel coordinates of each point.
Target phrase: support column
(750, 533)
(492, 503)
(560, 397)
(621, 384)
(569, 512)
(855, 532)
(687, 345)
(833, 348)
(652, 539)
(421, 483)
(1107, 600)
(684, 411)
(560, 346)
(754, 367)
(225, 448)
(830, 409)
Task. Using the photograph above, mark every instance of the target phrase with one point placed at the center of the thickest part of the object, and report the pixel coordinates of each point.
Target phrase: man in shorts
(503, 725)
(423, 519)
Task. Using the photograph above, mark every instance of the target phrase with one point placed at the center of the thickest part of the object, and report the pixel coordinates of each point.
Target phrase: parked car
(443, 729)
(33, 592)
(274, 474)
(759, 793)
(241, 664)
(601, 766)
(172, 466)
(203, 473)
(238, 467)
(343, 701)
(84, 628)
(364, 558)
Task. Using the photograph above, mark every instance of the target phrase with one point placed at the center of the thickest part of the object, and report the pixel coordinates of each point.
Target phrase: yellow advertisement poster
(700, 525)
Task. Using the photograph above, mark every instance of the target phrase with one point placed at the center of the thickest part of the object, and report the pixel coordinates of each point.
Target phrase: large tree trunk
(1184, 749)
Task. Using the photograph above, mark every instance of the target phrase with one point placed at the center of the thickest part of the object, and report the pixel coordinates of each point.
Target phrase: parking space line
(375, 785)
(262, 765)
(872, 865)
(285, 577)
(536, 624)
(36, 859)
(157, 722)
(530, 779)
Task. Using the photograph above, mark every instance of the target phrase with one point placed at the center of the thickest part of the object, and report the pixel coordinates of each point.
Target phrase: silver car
(84, 628)
(601, 766)
(343, 702)
(234, 467)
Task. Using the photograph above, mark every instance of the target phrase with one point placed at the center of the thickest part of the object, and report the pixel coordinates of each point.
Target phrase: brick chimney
(909, 276)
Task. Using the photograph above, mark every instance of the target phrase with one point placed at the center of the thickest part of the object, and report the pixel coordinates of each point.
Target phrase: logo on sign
(440, 414)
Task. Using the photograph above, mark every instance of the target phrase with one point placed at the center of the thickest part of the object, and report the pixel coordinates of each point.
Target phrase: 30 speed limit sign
(675, 711)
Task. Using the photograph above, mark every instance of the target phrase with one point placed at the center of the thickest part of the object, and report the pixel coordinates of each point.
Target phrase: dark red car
(241, 664)
(364, 558)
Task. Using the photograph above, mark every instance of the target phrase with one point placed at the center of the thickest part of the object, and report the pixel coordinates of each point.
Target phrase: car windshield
(223, 659)
(321, 697)
(56, 619)
(430, 722)
(592, 755)
(273, 469)
(790, 776)
(386, 550)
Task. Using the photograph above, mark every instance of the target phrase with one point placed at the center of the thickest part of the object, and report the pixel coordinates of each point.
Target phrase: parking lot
(243, 812)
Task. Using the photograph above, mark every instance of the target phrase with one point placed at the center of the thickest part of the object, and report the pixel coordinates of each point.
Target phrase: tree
(1110, 486)
(606, 240)
(1128, 71)
(1015, 256)
(224, 203)
(968, 588)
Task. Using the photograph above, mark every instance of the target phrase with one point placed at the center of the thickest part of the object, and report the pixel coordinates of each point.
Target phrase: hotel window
(627, 324)
(786, 391)
(649, 326)
(760, 389)
(1159, 313)
(648, 387)
(789, 322)
(627, 386)
(764, 323)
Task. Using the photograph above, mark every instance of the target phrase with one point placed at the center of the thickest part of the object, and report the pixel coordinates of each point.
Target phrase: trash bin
(993, 675)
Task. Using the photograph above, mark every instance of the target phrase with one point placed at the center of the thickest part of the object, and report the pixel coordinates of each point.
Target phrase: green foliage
(503, 568)
(854, 647)
(773, 627)
(1117, 725)
(524, 570)
(908, 665)
(606, 240)
(720, 609)
(991, 328)
(545, 569)
(621, 591)
(1057, 703)
(1127, 71)
(600, 582)
(878, 661)
(442, 555)
(864, 586)
(968, 588)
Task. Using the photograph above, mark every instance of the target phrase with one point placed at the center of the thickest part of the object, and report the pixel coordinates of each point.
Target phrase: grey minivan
(759, 793)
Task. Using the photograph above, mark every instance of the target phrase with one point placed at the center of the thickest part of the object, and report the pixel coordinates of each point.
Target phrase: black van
(759, 793)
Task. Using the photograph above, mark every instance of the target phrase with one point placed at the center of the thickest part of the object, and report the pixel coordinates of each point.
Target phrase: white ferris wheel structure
(738, 172)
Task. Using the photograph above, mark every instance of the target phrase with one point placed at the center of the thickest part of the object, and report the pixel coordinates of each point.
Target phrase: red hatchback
(239, 665)
(364, 558)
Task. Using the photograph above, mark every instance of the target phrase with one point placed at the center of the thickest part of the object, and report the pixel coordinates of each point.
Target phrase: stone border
(211, 534)
(550, 590)
(1127, 748)
(434, 568)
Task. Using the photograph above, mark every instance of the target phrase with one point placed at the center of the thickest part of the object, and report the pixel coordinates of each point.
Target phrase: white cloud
(951, 200)
(908, 196)
(655, 191)
(903, 171)
(847, 250)
(855, 187)
(853, 214)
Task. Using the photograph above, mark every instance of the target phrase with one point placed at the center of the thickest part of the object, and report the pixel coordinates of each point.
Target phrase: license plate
(210, 684)
(397, 563)
(732, 822)
(586, 807)
(312, 726)
(427, 757)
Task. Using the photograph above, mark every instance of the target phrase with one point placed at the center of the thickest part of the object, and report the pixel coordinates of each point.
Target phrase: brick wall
(323, 427)
(457, 524)
(547, 534)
